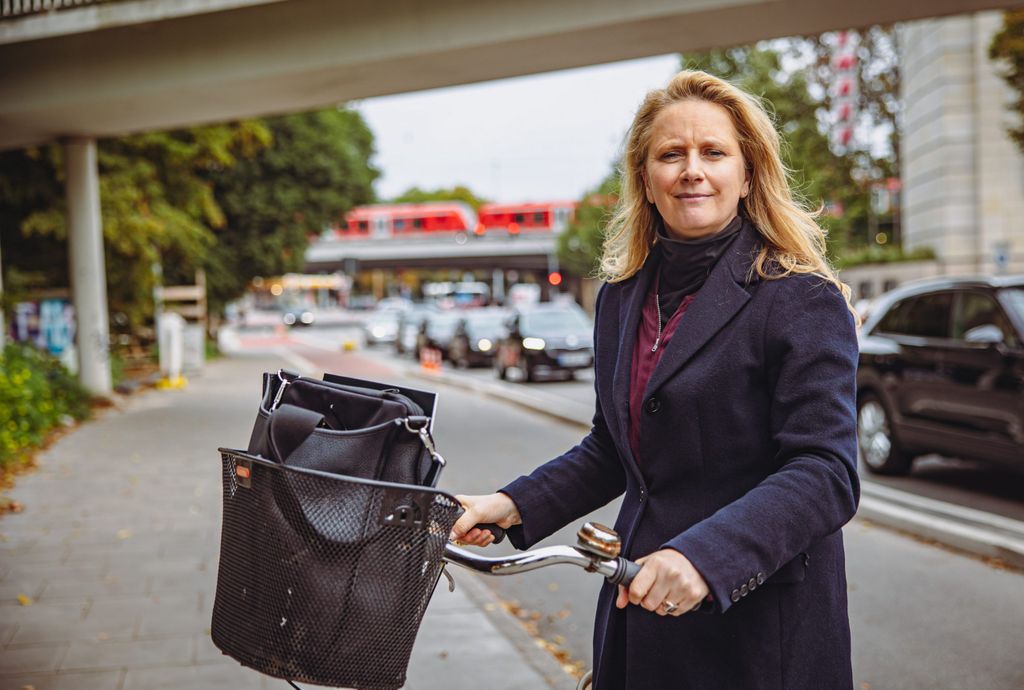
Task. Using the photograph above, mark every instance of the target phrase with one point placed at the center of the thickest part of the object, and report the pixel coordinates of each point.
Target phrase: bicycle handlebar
(618, 571)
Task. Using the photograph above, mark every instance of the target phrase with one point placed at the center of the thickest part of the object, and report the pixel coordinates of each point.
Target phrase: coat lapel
(717, 302)
(630, 308)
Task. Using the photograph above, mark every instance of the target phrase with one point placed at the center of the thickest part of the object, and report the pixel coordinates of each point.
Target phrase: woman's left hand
(666, 580)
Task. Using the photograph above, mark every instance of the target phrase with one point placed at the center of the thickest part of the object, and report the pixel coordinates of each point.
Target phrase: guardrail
(10, 9)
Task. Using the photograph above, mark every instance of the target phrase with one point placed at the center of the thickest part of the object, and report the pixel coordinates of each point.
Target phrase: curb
(965, 529)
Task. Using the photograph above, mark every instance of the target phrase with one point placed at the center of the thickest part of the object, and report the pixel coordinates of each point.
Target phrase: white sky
(549, 136)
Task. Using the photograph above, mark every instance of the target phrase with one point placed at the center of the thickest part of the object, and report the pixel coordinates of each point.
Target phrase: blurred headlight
(533, 343)
(484, 345)
(379, 331)
(307, 317)
(289, 319)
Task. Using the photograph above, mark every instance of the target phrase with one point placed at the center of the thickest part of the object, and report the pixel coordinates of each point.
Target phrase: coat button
(653, 405)
(752, 584)
(735, 596)
(760, 578)
(744, 590)
(807, 559)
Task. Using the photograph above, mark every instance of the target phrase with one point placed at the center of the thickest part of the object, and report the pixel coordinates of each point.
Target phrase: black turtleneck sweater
(685, 264)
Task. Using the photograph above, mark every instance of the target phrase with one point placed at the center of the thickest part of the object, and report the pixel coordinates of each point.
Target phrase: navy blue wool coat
(748, 468)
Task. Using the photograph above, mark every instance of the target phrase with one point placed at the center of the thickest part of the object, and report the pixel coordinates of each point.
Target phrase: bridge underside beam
(139, 66)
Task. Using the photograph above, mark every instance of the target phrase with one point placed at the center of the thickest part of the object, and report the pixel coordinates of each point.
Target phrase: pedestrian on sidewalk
(725, 373)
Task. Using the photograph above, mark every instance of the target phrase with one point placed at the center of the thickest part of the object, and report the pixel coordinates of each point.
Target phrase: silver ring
(669, 606)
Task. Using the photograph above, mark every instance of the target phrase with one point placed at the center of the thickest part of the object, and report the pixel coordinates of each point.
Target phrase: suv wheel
(878, 448)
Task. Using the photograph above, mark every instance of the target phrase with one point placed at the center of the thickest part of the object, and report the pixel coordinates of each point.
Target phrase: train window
(399, 224)
(417, 222)
(364, 225)
(538, 217)
(519, 217)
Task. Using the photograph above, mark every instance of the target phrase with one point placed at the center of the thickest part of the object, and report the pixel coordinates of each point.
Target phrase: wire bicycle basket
(324, 578)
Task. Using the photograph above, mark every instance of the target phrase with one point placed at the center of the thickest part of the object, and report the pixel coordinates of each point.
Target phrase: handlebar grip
(498, 532)
(625, 571)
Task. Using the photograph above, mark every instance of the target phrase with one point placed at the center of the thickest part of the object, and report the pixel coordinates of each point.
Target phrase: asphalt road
(921, 616)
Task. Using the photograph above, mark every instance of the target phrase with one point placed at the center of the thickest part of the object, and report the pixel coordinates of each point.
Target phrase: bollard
(172, 350)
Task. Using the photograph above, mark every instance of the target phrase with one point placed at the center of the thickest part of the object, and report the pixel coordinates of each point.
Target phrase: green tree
(156, 205)
(879, 105)
(1008, 47)
(457, 193)
(579, 247)
(316, 169)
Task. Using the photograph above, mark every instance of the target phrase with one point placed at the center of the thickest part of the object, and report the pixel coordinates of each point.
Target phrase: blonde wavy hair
(793, 240)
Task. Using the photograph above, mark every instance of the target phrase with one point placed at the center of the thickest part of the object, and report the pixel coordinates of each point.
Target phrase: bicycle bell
(597, 540)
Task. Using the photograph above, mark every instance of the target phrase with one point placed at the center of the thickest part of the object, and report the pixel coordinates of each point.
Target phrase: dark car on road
(409, 327)
(544, 339)
(942, 371)
(476, 337)
(436, 331)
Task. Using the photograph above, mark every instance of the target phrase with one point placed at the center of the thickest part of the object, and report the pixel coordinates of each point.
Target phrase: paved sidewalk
(116, 557)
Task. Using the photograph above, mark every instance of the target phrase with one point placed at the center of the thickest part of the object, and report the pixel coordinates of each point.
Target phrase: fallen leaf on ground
(24, 600)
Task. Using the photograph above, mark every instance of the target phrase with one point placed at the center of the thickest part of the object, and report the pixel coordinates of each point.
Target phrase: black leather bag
(353, 430)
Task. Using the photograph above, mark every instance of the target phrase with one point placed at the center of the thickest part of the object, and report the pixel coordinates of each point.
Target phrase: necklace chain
(657, 301)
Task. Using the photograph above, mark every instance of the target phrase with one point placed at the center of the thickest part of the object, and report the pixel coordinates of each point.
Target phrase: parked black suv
(942, 371)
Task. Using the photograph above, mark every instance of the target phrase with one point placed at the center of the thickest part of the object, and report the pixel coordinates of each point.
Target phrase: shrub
(36, 394)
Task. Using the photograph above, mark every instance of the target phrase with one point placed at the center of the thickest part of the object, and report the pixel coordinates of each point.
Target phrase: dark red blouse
(644, 361)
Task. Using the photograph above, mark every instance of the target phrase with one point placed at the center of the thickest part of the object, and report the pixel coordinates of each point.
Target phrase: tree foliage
(238, 200)
(879, 104)
(457, 193)
(1008, 47)
(579, 247)
(316, 169)
(155, 203)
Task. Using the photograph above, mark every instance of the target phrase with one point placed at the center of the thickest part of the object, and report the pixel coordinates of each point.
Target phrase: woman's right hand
(497, 508)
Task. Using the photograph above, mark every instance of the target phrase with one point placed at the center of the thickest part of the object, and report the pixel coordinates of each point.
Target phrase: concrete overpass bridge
(106, 68)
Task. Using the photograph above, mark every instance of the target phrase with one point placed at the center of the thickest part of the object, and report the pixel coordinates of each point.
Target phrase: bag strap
(421, 427)
(289, 426)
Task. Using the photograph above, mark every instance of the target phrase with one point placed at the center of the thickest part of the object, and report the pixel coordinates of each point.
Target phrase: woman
(725, 365)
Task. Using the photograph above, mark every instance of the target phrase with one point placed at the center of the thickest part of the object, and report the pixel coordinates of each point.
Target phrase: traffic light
(555, 278)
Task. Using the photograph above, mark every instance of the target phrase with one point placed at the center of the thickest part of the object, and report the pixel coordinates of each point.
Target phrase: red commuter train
(546, 216)
(450, 217)
(401, 220)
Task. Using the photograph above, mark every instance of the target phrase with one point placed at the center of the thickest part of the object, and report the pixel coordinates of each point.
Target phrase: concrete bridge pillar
(88, 272)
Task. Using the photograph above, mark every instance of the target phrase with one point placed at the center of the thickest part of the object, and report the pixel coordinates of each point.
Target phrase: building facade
(963, 177)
